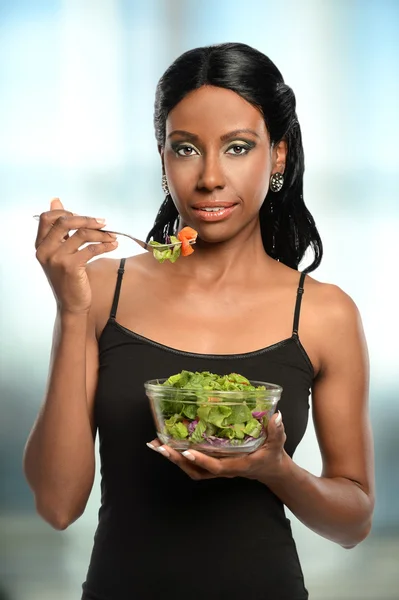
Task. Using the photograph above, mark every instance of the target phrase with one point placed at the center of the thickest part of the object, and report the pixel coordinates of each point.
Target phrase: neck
(237, 259)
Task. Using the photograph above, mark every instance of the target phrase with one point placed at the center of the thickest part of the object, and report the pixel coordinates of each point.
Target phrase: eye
(239, 149)
(185, 151)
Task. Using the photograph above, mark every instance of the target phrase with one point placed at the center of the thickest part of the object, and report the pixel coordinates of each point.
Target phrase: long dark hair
(287, 227)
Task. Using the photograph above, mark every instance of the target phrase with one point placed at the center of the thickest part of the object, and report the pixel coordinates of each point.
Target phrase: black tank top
(162, 534)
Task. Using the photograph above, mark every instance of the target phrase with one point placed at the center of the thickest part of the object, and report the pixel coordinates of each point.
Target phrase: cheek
(182, 176)
(250, 177)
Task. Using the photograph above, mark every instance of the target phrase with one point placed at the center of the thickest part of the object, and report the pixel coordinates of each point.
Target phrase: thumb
(56, 204)
(275, 429)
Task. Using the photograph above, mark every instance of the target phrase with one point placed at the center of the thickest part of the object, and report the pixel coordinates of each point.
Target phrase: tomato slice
(186, 248)
(187, 233)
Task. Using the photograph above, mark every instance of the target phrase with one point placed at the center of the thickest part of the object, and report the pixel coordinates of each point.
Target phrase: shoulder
(325, 304)
(101, 270)
(332, 305)
(103, 274)
(336, 323)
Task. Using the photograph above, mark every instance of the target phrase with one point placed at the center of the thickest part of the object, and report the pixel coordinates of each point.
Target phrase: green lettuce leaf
(190, 411)
(176, 428)
(239, 431)
(233, 432)
(180, 380)
(196, 436)
(253, 428)
(211, 429)
(169, 407)
(240, 413)
(162, 254)
(214, 414)
(227, 432)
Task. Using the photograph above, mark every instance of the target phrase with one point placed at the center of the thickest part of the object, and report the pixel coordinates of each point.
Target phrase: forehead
(214, 111)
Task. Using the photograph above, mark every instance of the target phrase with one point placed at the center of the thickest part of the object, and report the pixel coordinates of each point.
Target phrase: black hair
(287, 227)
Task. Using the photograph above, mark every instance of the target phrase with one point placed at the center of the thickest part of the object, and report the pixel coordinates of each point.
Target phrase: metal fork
(144, 245)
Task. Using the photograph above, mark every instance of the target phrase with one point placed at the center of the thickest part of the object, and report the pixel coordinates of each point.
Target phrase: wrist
(68, 319)
(281, 471)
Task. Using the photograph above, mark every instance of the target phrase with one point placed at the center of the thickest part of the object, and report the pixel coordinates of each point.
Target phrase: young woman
(191, 526)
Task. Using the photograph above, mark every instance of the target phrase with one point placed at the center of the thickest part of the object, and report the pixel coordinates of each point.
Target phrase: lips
(215, 211)
(200, 205)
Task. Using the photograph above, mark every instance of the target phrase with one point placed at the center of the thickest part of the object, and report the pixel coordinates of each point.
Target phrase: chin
(215, 234)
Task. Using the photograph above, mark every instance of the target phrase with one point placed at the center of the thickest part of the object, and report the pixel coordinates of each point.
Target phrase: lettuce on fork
(163, 254)
(182, 247)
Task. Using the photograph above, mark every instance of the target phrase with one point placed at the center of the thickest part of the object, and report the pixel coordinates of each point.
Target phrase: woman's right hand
(62, 261)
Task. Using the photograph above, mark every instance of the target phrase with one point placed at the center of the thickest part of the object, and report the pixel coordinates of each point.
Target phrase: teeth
(213, 209)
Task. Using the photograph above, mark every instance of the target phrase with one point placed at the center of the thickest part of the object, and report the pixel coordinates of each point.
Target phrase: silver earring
(165, 185)
(276, 182)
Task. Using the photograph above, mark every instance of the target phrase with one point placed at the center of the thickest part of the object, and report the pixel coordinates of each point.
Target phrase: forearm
(59, 456)
(335, 508)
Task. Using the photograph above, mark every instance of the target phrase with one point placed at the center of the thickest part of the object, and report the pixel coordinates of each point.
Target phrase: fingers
(47, 220)
(53, 229)
(225, 467)
(83, 236)
(193, 471)
(154, 444)
(95, 250)
(56, 204)
(275, 431)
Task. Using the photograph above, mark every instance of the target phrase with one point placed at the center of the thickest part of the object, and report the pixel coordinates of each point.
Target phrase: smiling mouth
(213, 209)
(212, 206)
(214, 213)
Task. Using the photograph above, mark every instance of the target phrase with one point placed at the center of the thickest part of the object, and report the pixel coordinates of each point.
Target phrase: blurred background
(77, 83)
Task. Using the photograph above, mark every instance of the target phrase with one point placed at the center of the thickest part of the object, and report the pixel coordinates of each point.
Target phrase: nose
(212, 175)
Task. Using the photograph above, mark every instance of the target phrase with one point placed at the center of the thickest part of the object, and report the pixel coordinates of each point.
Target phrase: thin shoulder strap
(298, 304)
(121, 270)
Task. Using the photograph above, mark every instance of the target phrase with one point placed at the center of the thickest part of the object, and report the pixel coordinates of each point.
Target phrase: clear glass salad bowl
(215, 422)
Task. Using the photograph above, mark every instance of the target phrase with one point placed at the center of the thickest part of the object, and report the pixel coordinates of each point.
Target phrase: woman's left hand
(261, 464)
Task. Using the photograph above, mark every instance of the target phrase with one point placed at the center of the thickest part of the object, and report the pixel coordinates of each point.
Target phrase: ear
(279, 157)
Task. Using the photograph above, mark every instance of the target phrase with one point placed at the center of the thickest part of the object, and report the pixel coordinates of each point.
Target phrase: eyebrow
(223, 138)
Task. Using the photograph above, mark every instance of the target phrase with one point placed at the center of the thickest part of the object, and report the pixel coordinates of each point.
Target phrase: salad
(183, 247)
(209, 416)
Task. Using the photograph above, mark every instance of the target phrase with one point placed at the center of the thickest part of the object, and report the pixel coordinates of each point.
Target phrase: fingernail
(188, 455)
(163, 451)
(151, 446)
(100, 220)
(278, 420)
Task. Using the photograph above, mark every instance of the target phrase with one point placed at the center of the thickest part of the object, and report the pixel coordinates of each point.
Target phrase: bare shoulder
(333, 306)
(337, 325)
(102, 274)
(104, 268)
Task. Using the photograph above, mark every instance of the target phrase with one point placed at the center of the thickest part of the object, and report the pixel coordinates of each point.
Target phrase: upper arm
(340, 394)
(92, 362)
(101, 273)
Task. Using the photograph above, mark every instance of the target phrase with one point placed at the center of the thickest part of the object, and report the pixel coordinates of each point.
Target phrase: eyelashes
(245, 147)
(234, 149)
(182, 150)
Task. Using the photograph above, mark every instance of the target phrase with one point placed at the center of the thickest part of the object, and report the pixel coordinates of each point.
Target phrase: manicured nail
(100, 220)
(151, 446)
(163, 451)
(278, 420)
(188, 455)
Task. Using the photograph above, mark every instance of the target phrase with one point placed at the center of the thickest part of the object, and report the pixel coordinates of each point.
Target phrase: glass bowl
(217, 423)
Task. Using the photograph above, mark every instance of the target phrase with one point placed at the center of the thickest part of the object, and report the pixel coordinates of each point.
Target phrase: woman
(173, 525)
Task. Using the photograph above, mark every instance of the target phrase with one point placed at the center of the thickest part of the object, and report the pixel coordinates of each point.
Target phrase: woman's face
(218, 161)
